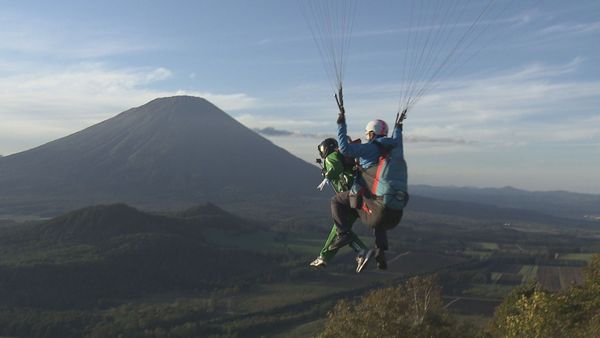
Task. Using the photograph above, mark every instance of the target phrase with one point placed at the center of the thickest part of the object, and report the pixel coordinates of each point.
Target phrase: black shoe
(340, 241)
(380, 259)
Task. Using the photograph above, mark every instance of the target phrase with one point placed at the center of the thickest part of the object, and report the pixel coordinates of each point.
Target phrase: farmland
(477, 264)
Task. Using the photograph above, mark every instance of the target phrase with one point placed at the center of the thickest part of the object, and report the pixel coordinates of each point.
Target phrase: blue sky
(523, 111)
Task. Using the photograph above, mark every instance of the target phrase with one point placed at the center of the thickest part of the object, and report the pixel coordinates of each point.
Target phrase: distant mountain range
(556, 203)
(170, 152)
(180, 151)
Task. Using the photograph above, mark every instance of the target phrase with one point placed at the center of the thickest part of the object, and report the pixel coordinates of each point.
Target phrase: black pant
(344, 215)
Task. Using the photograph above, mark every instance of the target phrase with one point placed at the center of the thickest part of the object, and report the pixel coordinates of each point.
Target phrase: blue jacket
(368, 155)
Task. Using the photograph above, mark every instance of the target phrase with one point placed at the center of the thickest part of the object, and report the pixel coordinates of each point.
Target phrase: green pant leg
(325, 252)
(357, 245)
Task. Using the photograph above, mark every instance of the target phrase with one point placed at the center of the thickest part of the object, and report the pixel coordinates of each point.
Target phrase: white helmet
(378, 127)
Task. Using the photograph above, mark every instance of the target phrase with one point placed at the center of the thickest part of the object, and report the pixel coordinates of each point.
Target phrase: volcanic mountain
(169, 152)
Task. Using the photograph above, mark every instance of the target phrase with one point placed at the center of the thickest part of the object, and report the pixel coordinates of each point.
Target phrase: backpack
(387, 180)
(382, 200)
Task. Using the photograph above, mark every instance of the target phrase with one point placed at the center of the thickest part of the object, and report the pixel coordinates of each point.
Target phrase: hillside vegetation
(114, 270)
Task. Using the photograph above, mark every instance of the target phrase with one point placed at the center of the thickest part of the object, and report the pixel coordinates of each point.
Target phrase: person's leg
(341, 212)
(357, 244)
(327, 254)
(343, 218)
(381, 244)
(389, 220)
(381, 241)
(364, 253)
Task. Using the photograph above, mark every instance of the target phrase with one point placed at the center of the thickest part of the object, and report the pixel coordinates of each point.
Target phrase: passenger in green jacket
(341, 177)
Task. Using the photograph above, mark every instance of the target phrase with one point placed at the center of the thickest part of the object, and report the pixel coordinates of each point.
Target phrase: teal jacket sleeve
(397, 137)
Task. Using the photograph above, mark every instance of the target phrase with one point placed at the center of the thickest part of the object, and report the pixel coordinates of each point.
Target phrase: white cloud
(453, 19)
(260, 121)
(40, 105)
(14, 128)
(227, 102)
(532, 105)
(32, 36)
(542, 71)
(77, 89)
(571, 29)
(493, 108)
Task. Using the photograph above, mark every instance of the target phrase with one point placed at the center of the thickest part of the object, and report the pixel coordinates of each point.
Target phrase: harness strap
(380, 167)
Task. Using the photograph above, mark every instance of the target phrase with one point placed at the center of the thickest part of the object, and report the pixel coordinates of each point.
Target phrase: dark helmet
(326, 147)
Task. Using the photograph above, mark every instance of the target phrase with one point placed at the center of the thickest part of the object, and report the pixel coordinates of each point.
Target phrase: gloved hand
(339, 98)
(323, 184)
(400, 119)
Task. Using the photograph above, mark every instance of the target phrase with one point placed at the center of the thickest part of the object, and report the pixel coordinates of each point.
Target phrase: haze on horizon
(524, 113)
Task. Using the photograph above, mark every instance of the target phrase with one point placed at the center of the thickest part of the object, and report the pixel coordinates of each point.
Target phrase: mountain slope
(171, 151)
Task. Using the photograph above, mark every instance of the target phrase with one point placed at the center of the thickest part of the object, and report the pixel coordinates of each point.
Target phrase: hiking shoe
(341, 240)
(380, 259)
(319, 262)
(363, 259)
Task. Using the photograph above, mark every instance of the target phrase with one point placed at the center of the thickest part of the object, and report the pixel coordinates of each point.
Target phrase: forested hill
(113, 251)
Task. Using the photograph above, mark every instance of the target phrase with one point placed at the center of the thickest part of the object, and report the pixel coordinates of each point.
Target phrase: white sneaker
(319, 262)
(362, 260)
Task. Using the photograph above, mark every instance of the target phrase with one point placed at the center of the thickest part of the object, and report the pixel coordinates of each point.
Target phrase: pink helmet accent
(379, 127)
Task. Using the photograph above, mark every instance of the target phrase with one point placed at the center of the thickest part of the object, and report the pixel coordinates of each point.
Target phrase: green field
(477, 253)
(529, 273)
(490, 291)
(489, 246)
(585, 257)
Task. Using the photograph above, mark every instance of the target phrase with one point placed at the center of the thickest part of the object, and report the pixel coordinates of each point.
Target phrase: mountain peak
(169, 152)
(180, 105)
(179, 101)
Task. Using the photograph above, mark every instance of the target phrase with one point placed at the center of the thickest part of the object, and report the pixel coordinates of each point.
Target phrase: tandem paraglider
(440, 36)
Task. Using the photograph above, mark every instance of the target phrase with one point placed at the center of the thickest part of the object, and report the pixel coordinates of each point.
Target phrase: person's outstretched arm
(354, 150)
